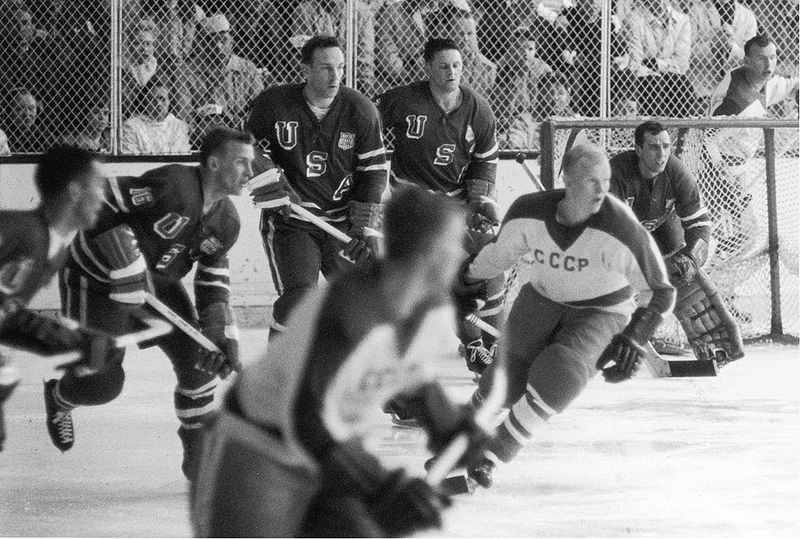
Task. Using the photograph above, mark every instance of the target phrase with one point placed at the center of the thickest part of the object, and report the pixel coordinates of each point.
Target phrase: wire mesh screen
(68, 64)
(732, 166)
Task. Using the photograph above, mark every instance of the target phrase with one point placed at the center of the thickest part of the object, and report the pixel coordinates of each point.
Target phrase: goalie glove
(682, 266)
(366, 221)
(623, 356)
(218, 323)
(484, 213)
(270, 190)
(127, 268)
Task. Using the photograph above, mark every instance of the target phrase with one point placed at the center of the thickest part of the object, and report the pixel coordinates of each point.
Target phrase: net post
(776, 322)
(546, 165)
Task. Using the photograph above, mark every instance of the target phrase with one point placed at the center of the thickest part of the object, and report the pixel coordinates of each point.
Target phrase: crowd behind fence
(150, 76)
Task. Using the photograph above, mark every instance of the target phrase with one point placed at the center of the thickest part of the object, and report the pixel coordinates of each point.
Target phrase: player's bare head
(438, 44)
(419, 225)
(217, 140)
(650, 126)
(586, 179)
(71, 184)
(317, 43)
(760, 58)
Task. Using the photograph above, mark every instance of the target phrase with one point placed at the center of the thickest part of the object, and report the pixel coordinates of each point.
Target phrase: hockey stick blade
(458, 484)
(661, 368)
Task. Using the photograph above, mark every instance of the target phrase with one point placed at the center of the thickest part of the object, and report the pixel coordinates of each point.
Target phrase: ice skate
(59, 421)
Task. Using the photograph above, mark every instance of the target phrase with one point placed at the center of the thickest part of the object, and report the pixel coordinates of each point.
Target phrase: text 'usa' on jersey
(329, 161)
(435, 149)
(164, 208)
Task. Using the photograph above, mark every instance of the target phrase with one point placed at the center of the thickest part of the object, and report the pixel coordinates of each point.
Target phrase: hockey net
(748, 174)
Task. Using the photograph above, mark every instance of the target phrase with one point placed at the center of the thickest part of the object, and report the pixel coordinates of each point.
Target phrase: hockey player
(286, 456)
(149, 236)
(444, 141)
(586, 256)
(33, 246)
(666, 199)
(326, 138)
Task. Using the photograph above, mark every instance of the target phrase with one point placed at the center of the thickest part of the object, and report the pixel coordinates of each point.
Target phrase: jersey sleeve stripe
(213, 283)
(491, 151)
(370, 155)
(117, 192)
(702, 212)
(214, 271)
(382, 166)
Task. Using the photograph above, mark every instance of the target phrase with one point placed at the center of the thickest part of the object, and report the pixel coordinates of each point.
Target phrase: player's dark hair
(759, 40)
(650, 126)
(436, 44)
(317, 42)
(217, 139)
(58, 167)
(413, 220)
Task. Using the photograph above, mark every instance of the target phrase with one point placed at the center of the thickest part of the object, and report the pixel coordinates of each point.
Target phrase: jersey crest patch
(141, 196)
(210, 245)
(346, 140)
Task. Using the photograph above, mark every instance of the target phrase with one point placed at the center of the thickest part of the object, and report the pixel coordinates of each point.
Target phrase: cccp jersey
(344, 354)
(439, 150)
(653, 201)
(330, 161)
(30, 254)
(601, 263)
(164, 208)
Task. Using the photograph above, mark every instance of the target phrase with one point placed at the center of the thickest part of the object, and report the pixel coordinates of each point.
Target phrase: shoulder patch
(141, 196)
(346, 140)
(210, 245)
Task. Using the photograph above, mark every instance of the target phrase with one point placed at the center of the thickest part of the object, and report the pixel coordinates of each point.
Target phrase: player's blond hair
(580, 155)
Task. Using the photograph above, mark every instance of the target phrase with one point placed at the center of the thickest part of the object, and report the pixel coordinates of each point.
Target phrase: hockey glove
(469, 295)
(406, 505)
(271, 190)
(622, 358)
(356, 251)
(46, 335)
(127, 268)
(366, 221)
(484, 213)
(217, 322)
(681, 269)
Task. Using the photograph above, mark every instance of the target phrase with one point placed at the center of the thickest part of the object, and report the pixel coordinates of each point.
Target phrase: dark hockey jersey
(30, 254)
(674, 189)
(439, 150)
(164, 208)
(329, 162)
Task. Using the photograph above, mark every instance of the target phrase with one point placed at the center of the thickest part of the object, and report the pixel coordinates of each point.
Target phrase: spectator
(552, 98)
(24, 128)
(213, 70)
(720, 29)
(551, 26)
(139, 65)
(400, 37)
(479, 73)
(659, 47)
(205, 119)
(91, 132)
(518, 77)
(153, 129)
(328, 17)
(173, 23)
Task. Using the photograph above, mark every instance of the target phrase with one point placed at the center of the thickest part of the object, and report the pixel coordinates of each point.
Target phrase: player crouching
(286, 455)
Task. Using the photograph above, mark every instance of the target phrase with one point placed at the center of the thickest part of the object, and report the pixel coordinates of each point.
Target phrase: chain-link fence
(149, 76)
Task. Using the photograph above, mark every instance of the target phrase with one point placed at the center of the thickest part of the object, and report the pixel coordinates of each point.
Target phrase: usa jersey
(439, 150)
(601, 263)
(652, 203)
(345, 353)
(30, 254)
(164, 208)
(329, 162)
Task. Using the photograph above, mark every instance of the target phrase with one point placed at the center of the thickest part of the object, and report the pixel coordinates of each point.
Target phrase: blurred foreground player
(151, 233)
(444, 141)
(585, 255)
(33, 246)
(666, 199)
(285, 455)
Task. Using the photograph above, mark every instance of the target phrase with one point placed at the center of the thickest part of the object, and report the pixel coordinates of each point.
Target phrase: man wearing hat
(213, 70)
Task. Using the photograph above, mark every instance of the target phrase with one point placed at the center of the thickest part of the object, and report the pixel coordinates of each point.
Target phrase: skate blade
(458, 484)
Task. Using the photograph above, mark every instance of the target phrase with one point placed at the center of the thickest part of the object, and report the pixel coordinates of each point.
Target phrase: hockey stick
(662, 368)
(483, 326)
(180, 323)
(520, 158)
(318, 221)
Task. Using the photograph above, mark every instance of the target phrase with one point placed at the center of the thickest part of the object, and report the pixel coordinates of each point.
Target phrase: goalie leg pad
(710, 327)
